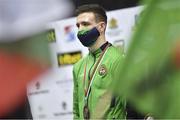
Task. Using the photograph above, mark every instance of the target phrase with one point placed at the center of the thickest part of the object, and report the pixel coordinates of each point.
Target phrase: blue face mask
(88, 37)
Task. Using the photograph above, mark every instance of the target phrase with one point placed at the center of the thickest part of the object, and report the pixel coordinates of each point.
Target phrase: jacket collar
(97, 52)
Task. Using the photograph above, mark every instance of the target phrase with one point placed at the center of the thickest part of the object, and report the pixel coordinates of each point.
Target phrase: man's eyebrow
(83, 23)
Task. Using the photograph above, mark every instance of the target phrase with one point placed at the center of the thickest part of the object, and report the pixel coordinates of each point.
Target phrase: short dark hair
(99, 11)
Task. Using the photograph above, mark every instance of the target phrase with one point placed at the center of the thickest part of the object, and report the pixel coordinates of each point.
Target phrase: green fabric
(150, 78)
(100, 97)
(82, 32)
(35, 46)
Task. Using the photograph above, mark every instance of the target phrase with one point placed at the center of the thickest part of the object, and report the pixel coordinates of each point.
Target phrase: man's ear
(102, 27)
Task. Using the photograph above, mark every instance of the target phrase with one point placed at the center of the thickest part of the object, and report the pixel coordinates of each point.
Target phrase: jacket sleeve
(75, 97)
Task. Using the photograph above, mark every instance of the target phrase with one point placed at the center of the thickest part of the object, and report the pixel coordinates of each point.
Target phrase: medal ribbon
(87, 91)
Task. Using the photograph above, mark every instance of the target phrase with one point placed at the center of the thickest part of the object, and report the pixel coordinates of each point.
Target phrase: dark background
(109, 4)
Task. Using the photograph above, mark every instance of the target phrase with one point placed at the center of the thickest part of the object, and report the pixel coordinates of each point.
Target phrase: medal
(86, 112)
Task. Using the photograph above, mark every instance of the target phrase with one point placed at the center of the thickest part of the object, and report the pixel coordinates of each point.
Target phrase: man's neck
(100, 41)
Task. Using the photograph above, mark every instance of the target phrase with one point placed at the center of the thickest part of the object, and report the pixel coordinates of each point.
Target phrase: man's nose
(81, 27)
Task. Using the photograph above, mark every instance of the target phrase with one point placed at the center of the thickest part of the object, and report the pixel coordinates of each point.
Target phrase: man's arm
(75, 97)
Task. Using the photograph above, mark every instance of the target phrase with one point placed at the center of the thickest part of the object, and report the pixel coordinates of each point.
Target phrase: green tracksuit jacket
(102, 103)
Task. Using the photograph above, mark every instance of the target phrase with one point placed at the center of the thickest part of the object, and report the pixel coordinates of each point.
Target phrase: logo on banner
(51, 36)
(69, 58)
(37, 90)
(113, 23)
(137, 19)
(37, 85)
(136, 22)
(69, 33)
(64, 105)
(113, 28)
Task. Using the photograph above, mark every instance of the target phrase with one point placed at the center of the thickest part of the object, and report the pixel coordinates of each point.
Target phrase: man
(93, 75)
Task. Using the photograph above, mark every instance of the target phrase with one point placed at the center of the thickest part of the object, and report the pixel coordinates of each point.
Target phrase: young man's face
(86, 21)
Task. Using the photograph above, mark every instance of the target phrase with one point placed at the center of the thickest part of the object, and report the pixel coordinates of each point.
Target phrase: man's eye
(85, 24)
(77, 25)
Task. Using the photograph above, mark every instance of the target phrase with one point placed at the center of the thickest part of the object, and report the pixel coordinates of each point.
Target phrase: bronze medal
(86, 112)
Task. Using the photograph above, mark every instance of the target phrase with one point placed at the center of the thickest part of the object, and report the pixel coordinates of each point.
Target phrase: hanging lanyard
(87, 91)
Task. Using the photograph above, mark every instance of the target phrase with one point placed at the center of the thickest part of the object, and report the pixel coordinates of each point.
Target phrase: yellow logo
(69, 58)
(51, 35)
(113, 23)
